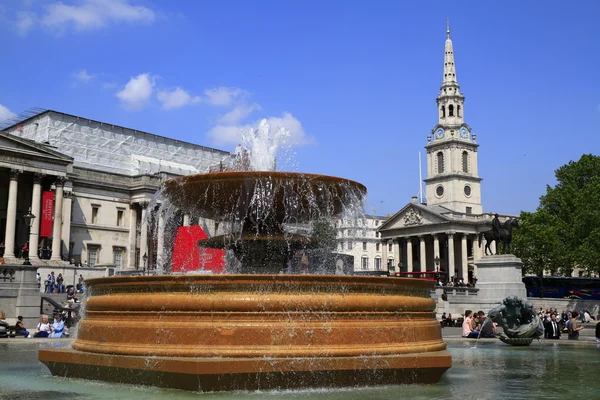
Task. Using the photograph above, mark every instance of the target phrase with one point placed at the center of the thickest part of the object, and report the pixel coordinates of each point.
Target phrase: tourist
(574, 326)
(552, 328)
(25, 251)
(85, 264)
(58, 327)
(20, 328)
(486, 327)
(467, 327)
(3, 325)
(38, 279)
(59, 283)
(2, 248)
(43, 328)
(80, 284)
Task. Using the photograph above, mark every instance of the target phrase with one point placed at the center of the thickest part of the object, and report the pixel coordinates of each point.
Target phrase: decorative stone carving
(14, 174)
(37, 177)
(412, 217)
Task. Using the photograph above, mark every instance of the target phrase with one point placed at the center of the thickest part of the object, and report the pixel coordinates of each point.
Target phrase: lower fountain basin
(229, 332)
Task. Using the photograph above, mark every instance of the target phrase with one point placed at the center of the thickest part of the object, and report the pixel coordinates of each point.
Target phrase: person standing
(59, 283)
(574, 326)
(552, 328)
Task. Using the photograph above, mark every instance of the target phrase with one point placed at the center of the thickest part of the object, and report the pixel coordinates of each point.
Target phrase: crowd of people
(55, 284)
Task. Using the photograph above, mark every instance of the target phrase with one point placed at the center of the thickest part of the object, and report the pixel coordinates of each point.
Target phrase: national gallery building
(88, 184)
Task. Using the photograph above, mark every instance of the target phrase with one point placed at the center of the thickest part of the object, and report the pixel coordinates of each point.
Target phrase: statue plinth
(499, 276)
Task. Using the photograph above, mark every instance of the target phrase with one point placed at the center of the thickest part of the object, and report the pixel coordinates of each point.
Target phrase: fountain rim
(274, 175)
(314, 279)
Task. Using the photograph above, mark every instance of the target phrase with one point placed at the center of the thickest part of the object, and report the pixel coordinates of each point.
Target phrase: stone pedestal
(19, 293)
(499, 276)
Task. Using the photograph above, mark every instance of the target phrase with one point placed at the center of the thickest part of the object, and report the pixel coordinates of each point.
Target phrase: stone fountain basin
(224, 332)
(287, 196)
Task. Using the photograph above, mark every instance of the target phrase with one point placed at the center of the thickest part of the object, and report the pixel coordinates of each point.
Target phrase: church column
(476, 254)
(186, 220)
(464, 268)
(66, 223)
(160, 244)
(143, 235)
(36, 203)
(451, 271)
(397, 255)
(11, 214)
(132, 237)
(423, 255)
(436, 247)
(57, 223)
(409, 256)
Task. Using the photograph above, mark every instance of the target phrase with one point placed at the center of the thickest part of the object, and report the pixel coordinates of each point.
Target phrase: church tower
(452, 174)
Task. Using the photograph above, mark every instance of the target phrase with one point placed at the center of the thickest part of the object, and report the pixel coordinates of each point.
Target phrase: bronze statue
(499, 233)
(519, 321)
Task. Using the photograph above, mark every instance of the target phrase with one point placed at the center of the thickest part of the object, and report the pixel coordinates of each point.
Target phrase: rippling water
(544, 370)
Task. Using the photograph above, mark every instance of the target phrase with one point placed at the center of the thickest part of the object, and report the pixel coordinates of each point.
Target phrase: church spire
(449, 68)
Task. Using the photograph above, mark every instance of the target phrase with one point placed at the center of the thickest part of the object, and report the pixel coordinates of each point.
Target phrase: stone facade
(360, 240)
(102, 178)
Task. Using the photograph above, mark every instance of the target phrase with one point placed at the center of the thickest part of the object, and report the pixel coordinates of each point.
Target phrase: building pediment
(15, 148)
(413, 215)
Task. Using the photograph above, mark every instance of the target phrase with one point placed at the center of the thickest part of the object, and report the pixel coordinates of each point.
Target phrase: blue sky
(354, 81)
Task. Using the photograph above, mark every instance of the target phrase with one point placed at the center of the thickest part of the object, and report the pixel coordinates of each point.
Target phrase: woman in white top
(43, 328)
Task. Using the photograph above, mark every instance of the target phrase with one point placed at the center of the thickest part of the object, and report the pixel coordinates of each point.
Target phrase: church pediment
(13, 148)
(412, 215)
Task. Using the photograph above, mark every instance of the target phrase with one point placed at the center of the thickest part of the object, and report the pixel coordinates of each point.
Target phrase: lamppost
(437, 263)
(145, 259)
(28, 218)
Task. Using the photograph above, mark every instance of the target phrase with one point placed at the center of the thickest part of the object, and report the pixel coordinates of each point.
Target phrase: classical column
(464, 263)
(160, 244)
(57, 223)
(66, 222)
(143, 234)
(397, 255)
(384, 252)
(11, 214)
(476, 254)
(132, 237)
(436, 246)
(186, 220)
(409, 257)
(423, 257)
(36, 204)
(451, 270)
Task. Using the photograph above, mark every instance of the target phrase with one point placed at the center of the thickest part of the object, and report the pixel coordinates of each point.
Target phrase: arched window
(443, 110)
(451, 110)
(458, 111)
(465, 161)
(440, 162)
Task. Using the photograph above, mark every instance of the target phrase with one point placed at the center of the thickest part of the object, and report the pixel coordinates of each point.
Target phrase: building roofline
(112, 125)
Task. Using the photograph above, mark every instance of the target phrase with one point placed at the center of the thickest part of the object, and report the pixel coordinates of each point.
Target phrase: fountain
(257, 328)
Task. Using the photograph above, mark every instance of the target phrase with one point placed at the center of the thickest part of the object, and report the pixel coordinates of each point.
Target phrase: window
(365, 262)
(95, 210)
(342, 245)
(377, 246)
(118, 256)
(458, 111)
(93, 255)
(216, 227)
(469, 210)
(467, 190)
(451, 110)
(440, 162)
(465, 161)
(364, 246)
(376, 222)
(439, 191)
(349, 245)
(389, 247)
(378, 263)
(443, 109)
(119, 217)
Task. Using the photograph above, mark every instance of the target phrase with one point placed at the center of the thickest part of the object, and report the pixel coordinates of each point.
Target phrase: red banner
(47, 214)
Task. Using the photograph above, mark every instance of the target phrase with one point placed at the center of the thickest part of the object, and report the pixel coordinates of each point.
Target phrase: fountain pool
(544, 370)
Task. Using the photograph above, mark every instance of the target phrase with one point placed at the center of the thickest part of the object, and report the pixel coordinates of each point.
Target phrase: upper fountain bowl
(285, 196)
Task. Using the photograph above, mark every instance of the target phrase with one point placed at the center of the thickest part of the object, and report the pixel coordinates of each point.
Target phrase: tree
(564, 231)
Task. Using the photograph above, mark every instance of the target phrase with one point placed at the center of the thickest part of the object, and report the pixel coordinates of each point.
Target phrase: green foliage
(325, 232)
(564, 232)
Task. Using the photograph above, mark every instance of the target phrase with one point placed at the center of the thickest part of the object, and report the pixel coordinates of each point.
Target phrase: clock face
(464, 132)
(439, 133)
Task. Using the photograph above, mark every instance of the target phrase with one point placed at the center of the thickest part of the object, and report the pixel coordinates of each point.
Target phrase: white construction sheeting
(110, 148)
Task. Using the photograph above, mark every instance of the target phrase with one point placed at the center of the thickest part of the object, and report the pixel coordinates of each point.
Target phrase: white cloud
(83, 76)
(94, 15)
(109, 85)
(5, 113)
(223, 96)
(24, 22)
(137, 92)
(223, 134)
(238, 114)
(176, 98)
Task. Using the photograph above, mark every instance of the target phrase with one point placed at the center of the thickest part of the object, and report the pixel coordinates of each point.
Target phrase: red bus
(427, 275)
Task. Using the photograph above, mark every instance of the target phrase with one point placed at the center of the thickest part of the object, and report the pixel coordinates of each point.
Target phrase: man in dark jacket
(552, 328)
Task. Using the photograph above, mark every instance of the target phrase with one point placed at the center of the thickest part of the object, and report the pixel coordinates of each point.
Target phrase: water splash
(262, 147)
